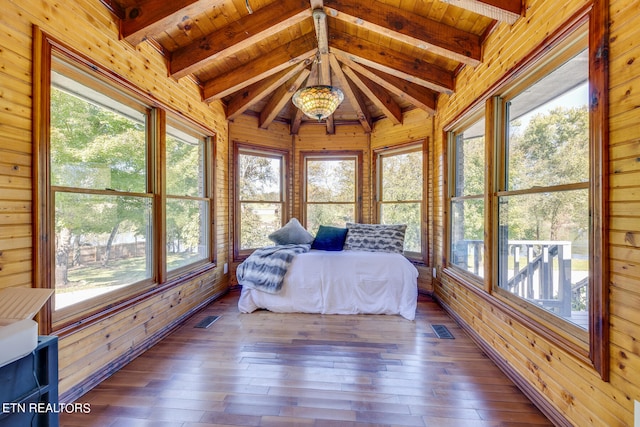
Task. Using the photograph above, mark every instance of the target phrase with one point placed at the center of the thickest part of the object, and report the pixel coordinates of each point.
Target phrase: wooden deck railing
(545, 274)
(536, 270)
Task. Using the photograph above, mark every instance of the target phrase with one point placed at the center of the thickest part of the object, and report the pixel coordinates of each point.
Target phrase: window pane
(402, 176)
(185, 164)
(103, 243)
(260, 178)
(330, 214)
(187, 232)
(469, 160)
(258, 220)
(401, 181)
(548, 141)
(95, 145)
(544, 248)
(405, 213)
(467, 235)
(331, 180)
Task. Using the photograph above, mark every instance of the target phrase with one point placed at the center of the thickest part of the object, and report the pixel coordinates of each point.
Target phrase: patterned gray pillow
(375, 237)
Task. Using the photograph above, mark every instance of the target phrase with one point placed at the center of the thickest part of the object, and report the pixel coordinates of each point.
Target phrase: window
(105, 209)
(188, 209)
(400, 192)
(467, 187)
(332, 188)
(543, 197)
(544, 191)
(99, 188)
(260, 196)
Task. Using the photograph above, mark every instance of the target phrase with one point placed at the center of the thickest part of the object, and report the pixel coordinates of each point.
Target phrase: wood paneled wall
(313, 137)
(87, 26)
(416, 125)
(565, 384)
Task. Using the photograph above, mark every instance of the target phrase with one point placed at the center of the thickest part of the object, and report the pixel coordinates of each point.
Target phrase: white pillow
(292, 233)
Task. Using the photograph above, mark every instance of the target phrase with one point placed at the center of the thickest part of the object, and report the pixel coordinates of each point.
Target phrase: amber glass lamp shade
(318, 102)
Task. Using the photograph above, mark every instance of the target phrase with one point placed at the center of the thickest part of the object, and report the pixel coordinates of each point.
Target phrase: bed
(341, 282)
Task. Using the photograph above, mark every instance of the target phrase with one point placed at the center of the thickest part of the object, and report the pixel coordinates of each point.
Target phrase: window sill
(462, 277)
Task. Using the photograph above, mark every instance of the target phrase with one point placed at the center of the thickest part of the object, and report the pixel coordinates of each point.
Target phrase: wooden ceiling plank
(377, 94)
(501, 10)
(257, 91)
(280, 98)
(420, 97)
(151, 17)
(277, 60)
(354, 97)
(393, 62)
(238, 36)
(409, 28)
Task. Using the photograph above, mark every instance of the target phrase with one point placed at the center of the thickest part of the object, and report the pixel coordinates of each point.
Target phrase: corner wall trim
(555, 416)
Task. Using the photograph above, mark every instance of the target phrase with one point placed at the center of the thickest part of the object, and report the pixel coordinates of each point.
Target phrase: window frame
(379, 155)
(257, 150)
(589, 348)
(69, 319)
(469, 119)
(331, 155)
(570, 335)
(208, 195)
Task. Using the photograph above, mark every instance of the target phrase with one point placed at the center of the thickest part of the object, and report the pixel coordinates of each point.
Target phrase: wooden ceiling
(387, 56)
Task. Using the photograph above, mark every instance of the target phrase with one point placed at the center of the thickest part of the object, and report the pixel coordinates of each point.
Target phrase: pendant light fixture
(319, 101)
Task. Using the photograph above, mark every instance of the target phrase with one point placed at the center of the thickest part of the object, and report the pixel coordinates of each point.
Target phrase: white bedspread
(344, 282)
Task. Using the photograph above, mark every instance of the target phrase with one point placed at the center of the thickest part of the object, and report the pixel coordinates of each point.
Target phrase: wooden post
(530, 272)
(564, 279)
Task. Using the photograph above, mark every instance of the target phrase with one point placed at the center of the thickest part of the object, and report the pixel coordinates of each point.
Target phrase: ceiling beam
(420, 97)
(409, 28)
(297, 114)
(352, 95)
(149, 17)
(393, 62)
(322, 34)
(376, 94)
(296, 121)
(501, 10)
(279, 59)
(114, 8)
(242, 100)
(280, 98)
(238, 35)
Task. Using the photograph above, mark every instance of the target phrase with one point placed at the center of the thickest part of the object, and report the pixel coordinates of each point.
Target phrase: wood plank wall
(313, 137)
(567, 385)
(417, 125)
(87, 26)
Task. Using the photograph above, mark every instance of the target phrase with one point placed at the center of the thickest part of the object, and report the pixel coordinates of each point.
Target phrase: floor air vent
(442, 332)
(206, 322)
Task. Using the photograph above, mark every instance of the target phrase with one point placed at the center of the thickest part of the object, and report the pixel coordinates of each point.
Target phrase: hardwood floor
(269, 369)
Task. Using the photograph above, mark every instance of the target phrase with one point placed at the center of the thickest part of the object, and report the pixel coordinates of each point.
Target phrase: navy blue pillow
(329, 238)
